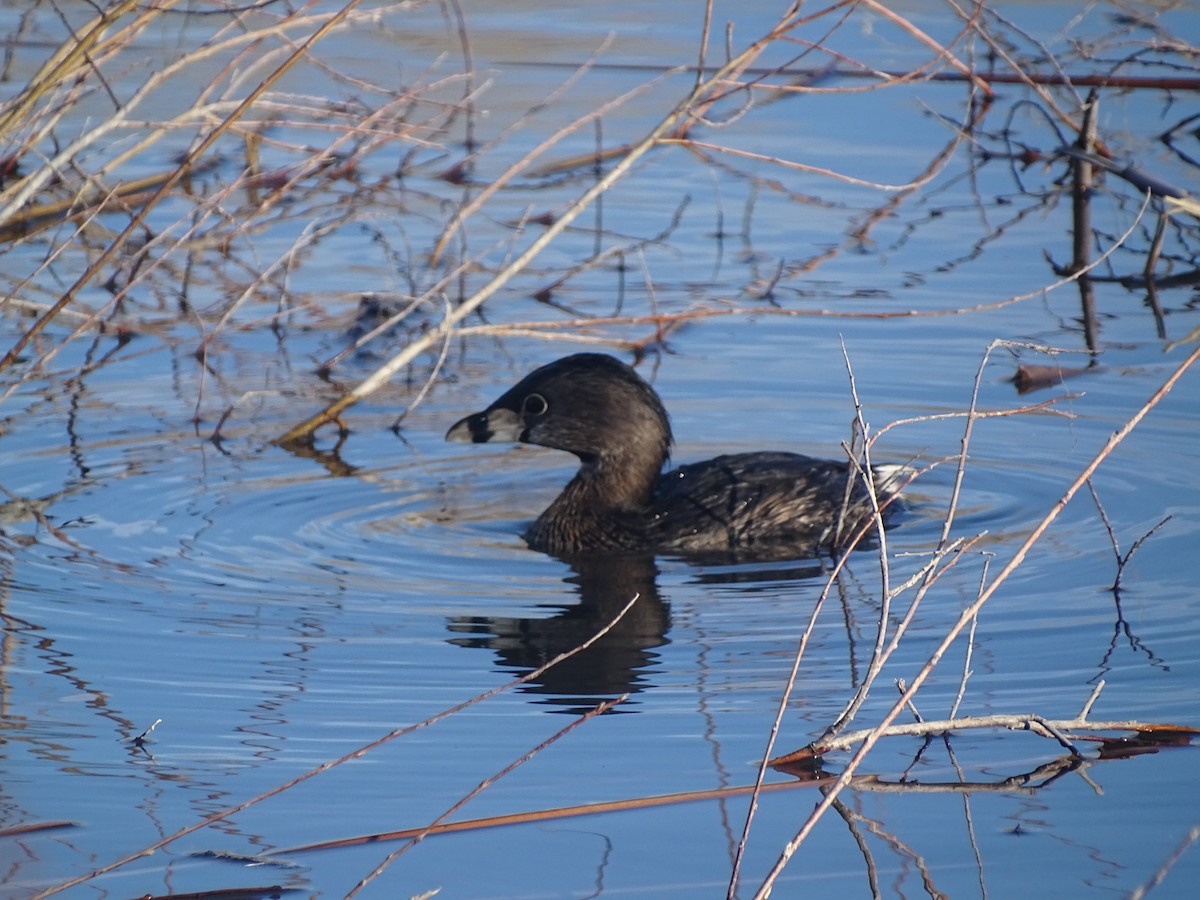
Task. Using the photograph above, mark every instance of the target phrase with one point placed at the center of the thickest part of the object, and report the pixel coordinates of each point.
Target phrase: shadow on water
(623, 660)
(276, 610)
(618, 663)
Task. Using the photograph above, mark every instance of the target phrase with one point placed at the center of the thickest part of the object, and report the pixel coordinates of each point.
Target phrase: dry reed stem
(861, 70)
(174, 178)
(312, 232)
(956, 548)
(967, 616)
(928, 576)
(693, 145)
(326, 766)
(967, 671)
(464, 266)
(598, 710)
(1122, 559)
(35, 827)
(62, 65)
(1020, 784)
(94, 317)
(831, 580)
(506, 177)
(942, 52)
(17, 195)
(317, 160)
(552, 328)
(1157, 878)
(549, 815)
(876, 524)
(303, 431)
(1001, 51)
(944, 557)
(1057, 729)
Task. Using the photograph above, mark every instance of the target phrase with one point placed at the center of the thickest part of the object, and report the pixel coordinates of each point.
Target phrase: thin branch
(1157, 878)
(380, 376)
(971, 611)
(1057, 729)
(326, 766)
(104, 257)
(598, 710)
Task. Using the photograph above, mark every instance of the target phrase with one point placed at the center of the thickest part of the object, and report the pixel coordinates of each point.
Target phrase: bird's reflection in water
(623, 660)
(619, 662)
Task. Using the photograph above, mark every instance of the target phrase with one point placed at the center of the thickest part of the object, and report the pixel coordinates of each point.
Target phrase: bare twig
(1087, 707)
(972, 610)
(380, 376)
(136, 221)
(598, 710)
(1122, 558)
(1157, 878)
(966, 672)
(1060, 730)
(326, 766)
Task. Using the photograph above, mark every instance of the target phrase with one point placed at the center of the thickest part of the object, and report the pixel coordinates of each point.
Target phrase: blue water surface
(164, 559)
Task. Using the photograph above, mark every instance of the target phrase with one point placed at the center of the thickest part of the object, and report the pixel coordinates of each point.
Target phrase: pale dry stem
(968, 615)
(329, 764)
(598, 710)
(468, 307)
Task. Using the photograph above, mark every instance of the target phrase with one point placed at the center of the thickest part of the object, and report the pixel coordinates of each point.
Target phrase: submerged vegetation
(177, 177)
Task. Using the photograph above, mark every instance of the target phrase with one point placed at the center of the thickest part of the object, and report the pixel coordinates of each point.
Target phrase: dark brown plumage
(768, 504)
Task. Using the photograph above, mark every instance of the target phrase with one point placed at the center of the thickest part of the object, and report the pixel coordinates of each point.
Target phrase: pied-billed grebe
(601, 410)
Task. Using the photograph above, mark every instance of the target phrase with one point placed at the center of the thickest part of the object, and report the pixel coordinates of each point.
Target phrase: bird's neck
(604, 507)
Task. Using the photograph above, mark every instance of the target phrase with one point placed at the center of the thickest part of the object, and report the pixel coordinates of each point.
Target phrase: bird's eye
(534, 405)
